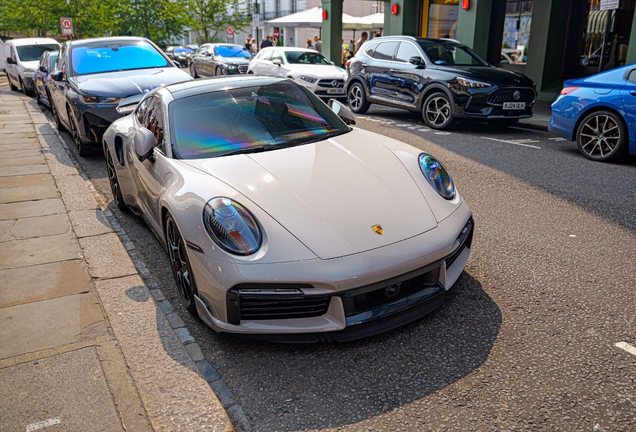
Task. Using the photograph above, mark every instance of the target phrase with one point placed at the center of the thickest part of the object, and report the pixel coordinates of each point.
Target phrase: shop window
(516, 32)
(442, 18)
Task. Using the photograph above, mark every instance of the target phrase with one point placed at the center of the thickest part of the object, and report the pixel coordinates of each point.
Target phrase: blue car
(599, 112)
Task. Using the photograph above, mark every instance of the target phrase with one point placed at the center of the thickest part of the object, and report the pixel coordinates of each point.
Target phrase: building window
(442, 18)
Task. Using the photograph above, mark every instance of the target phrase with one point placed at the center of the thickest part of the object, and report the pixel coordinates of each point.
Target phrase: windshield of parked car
(183, 50)
(451, 54)
(249, 119)
(306, 57)
(34, 52)
(232, 51)
(118, 55)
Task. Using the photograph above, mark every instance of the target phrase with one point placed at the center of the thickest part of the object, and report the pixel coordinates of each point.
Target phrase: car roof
(288, 49)
(199, 86)
(32, 41)
(81, 42)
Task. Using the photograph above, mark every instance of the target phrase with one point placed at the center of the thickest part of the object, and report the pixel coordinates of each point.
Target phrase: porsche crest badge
(377, 229)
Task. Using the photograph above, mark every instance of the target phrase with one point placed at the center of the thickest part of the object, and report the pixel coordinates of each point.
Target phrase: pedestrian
(248, 43)
(345, 53)
(254, 47)
(352, 46)
(317, 44)
(266, 42)
(377, 34)
(310, 45)
(363, 37)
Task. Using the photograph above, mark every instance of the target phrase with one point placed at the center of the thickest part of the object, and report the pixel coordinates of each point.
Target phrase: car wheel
(56, 116)
(114, 181)
(250, 73)
(180, 264)
(218, 71)
(82, 148)
(602, 136)
(11, 86)
(503, 123)
(357, 100)
(24, 89)
(193, 71)
(37, 96)
(437, 112)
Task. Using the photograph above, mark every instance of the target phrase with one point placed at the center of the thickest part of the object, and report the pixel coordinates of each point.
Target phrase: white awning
(313, 18)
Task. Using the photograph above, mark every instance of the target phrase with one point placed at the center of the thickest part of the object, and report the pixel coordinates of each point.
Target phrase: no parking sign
(67, 26)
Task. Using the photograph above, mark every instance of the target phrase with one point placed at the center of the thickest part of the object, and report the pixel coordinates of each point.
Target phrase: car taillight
(567, 90)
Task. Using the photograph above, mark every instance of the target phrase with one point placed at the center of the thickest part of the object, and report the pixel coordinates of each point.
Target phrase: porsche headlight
(308, 79)
(437, 176)
(472, 83)
(232, 226)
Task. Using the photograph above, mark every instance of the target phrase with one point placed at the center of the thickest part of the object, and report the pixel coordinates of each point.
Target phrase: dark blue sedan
(599, 112)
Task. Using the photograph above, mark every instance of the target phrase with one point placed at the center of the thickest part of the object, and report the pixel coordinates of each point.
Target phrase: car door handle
(364, 65)
(633, 92)
(393, 70)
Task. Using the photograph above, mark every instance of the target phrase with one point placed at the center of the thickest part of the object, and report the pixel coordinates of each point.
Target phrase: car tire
(82, 148)
(56, 116)
(114, 180)
(503, 123)
(437, 112)
(218, 71)
(24, 89)
(37, 96)
(357, 99)
(180, 265)
(11, 85)
(193, 71)
(602, 136)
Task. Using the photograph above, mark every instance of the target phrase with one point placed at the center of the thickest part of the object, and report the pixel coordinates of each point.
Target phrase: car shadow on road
(298, 387)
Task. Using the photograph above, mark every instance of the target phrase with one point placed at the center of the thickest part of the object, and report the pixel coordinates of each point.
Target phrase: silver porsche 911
(280, 220)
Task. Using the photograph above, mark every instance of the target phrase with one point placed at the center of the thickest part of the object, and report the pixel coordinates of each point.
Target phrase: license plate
(335, 91)
(514, 105)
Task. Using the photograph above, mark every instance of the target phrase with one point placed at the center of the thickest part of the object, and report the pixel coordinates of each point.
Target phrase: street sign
(276, 34)
(609, 4)
(229, 31)
(255, 20)
(67, 26)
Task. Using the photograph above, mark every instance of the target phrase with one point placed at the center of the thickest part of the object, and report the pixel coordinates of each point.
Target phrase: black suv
(441, 78)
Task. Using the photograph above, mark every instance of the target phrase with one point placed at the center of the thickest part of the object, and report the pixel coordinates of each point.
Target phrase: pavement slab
(88, 223)
(8, 138)
(106, 256)
(75, 194)
(42, 282)
(50, 323)
(21, 153)
(69, 388)
(31, 160)
(40, 250)
(27, 188)
(21, 170)
(153, 349)
(27, 144)
(27, 209)
(39, 226)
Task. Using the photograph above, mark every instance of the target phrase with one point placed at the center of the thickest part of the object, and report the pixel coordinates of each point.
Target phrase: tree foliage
(211, 17)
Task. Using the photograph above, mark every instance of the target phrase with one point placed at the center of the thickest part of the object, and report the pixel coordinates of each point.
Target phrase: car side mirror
(342, 111)
(57, 75)
(146, 146)
(10, 60)
(43, 69)
(277, 62)
(417, 61)
(207, 54)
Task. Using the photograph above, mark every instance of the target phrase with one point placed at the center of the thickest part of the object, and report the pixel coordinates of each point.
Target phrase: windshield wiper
(321, 137)
(255, 149)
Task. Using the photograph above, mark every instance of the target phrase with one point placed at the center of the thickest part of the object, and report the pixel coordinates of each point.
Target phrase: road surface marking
(557, 139)
(442, 133)
(43, 424)
(515, 142)
(627, 347)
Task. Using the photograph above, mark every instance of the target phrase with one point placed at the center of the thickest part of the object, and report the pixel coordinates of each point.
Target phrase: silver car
(280, 219)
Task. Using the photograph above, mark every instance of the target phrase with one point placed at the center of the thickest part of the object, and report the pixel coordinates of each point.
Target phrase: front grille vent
(242, 69)
(507, 95)
(329, 83)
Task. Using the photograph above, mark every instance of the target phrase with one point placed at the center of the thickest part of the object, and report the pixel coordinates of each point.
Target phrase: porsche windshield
(249, 119)
(118, 55)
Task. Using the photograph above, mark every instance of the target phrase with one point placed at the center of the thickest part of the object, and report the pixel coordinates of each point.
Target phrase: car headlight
(232, 226)
(437, 176)
(308, 78)
(472, 83)
(100, 100)
(230, 67)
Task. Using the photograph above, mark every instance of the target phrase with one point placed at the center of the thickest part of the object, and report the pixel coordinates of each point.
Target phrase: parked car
(599, 113)
(219, 59)
(292, 224)
(183, 55)
(42, 76)
(93, 75)
(22, 57)
(440, 78)
(306, 66)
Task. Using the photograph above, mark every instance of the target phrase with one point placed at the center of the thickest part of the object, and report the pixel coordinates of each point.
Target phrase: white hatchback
(305, 66)
(22, 58)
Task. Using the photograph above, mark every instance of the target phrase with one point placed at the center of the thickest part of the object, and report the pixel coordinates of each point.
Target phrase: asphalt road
(526, 341)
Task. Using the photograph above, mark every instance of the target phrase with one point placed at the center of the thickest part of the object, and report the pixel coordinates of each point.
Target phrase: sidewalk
(83, 344)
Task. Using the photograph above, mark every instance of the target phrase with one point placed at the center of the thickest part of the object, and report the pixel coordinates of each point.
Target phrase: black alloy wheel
(602, 136)
(82, 148)
(181, 269)
(357, 100)
(114, 181)
(56, 115)
(193, 71)
(437, 112)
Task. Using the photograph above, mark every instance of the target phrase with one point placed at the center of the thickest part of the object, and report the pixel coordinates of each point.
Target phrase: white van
(21, 58)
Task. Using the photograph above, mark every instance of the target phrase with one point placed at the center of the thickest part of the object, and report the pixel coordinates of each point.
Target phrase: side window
(370, 49)
(406, 51)
(61, 60)
(44, 62)
(153, 120)
(141, 111)
(267, 55)
(13, 54)
(385, 51)
(277, 56)
(632, 76)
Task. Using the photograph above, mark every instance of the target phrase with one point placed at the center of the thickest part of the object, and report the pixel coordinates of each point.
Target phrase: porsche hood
(338, 197)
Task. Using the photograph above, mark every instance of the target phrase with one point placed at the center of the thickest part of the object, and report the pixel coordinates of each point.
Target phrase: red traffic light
(394, 9)
(324, 15)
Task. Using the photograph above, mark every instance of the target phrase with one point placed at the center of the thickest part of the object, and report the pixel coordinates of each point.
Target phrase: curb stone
(209, 373)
